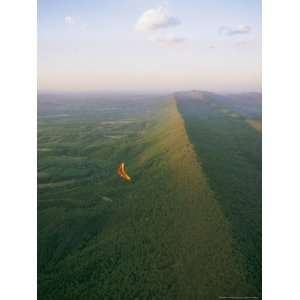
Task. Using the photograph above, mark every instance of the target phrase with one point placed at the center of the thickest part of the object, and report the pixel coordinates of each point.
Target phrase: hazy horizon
(149, 46)
(130, 92)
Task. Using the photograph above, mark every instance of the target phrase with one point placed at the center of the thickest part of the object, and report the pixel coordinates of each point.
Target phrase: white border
(281, 150)
(18, 150)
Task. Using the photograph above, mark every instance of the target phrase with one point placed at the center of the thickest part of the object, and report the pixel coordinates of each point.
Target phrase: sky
(145, 45)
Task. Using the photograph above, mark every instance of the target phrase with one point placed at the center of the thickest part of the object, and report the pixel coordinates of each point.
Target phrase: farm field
(188, 225)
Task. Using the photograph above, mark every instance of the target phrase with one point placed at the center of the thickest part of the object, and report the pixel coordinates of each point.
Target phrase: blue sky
(143, 45)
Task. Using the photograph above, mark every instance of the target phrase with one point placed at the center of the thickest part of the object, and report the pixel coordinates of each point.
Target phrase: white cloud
(167, 40)
(154, 19)
(69, 20)
(242, 29)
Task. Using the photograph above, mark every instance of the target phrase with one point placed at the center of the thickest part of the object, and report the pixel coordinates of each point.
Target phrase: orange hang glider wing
(122, 173)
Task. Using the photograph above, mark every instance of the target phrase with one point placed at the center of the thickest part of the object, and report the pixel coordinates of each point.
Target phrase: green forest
(188, 224)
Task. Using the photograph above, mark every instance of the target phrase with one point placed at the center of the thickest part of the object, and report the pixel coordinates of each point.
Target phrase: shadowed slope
(230, 152)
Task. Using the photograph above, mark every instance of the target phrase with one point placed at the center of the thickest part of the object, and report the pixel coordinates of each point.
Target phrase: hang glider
(122, 173)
